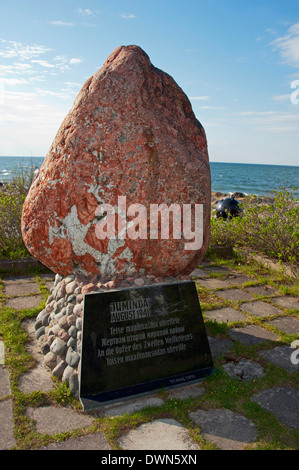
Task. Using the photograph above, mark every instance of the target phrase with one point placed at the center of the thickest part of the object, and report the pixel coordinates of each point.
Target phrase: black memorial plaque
(138, 340)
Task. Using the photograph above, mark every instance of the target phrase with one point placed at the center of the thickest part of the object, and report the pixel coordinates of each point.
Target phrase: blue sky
(235, 59)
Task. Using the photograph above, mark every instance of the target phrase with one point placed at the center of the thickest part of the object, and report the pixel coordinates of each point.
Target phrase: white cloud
(75, 61)
(43, 63)
(127, 16)
(85, 11)
(288, 46)
(12, 81)
(61, 23)
(12, 49)
(272, 121)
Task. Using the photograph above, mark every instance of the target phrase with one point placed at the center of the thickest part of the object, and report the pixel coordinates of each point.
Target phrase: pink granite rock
(130, 133)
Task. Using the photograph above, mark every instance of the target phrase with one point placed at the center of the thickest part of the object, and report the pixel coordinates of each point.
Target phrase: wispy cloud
(61, 23)
(43, 63)
(127, 16)
(85, 11)
(11, 49)
(74, 60)
(272, 121)
(288, 46)
(13, 81)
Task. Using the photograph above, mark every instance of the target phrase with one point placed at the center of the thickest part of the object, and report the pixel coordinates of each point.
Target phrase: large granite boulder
(130, 137)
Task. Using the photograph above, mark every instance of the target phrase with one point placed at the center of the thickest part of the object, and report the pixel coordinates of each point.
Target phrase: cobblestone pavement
(251, 327)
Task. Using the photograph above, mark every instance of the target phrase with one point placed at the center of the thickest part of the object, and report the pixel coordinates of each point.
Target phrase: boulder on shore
(130, 133)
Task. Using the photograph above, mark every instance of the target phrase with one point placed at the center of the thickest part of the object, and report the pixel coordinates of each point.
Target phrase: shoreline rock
(216, 196)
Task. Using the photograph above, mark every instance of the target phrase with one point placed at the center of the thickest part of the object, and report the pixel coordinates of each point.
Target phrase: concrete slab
(4, 382)
(21, 289)
(234, 294)
(286, 302)
(20, 303)
(54, 419)
(281, 356)
(289, 325)
(91, 442)
(36, 379)
(19, 279)
(260, 309)
(225, 315)
(262, 290)
(224, 428)
(212, 283)
(199, 273)
(161, 434)
(251, 334)
(282, 402)
(237, 279)
(7, 440)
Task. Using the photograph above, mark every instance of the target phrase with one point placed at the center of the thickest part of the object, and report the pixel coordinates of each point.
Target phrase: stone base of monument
(140, 334)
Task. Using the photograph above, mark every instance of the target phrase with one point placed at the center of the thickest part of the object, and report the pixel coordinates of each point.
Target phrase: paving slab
(161, 434)
(286, 302)
(212, 283)
(244, 369)
(18, 290)
(251, 334)
(199, 273)
(20, 303)
(19, 279)
(224, 428)
(4, 382)
(260, 309)
(281, 356)
(237, 279)
(282, 402)
(36, 379)
(234, 294)
(262, 290)
(219, 346)
(225, 315)
(54, 419)
(91, 442)
(289, 325)
(7, 440)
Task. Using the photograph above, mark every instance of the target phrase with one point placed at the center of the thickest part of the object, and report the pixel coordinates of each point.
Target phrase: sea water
(246, 178)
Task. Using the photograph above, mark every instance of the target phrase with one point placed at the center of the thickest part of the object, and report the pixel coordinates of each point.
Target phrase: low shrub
(12, 197)
(269, 228)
